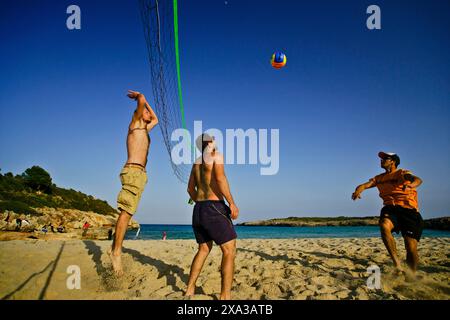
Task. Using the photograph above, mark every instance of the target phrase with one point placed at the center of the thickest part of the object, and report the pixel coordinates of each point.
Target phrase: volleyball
(278, 60)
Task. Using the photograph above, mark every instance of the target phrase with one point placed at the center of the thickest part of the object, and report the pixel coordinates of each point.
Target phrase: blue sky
(345, 94)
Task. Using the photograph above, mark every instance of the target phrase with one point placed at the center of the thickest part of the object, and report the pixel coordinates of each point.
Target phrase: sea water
(173, 231)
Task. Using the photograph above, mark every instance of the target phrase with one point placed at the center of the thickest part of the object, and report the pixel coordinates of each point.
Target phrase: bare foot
(225, 297)
(399, 270)
(189, 292)
(410, 276)
(116, 261)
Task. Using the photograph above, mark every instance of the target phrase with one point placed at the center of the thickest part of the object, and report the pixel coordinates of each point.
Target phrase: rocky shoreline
(51, 223)
(442, 223)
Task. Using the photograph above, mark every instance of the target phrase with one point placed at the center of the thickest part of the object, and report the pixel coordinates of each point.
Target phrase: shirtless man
(133, 175)
(211, 220)
(397, 188)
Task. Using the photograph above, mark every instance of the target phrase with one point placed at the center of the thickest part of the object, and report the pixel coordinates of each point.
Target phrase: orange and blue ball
(278, 60)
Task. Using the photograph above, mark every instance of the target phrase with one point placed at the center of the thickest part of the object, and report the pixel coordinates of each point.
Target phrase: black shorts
(408, 221)
(211, 220)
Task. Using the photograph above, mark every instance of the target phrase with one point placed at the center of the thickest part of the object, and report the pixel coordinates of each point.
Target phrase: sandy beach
(265, 269)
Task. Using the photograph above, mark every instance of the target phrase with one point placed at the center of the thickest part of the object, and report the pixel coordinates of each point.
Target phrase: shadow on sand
(164, 270)
(47, 282)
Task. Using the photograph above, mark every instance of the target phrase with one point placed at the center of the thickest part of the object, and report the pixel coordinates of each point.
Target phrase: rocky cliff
(436, 223)
(68, 223)
(314, 222)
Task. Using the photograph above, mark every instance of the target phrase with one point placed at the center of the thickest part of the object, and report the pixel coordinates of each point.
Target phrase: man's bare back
(205, 178)
(208, 181)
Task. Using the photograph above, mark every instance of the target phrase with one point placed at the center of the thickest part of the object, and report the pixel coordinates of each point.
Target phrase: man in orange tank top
(397, 188)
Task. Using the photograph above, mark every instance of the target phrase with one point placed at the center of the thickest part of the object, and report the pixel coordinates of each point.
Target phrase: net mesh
(158, 24)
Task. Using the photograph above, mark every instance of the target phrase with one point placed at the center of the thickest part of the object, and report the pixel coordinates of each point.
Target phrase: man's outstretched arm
(141, 102)
(153, 116)
(359, 189)
(141, 105)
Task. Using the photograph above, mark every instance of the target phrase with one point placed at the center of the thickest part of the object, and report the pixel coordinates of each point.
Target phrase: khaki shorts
(133, 182)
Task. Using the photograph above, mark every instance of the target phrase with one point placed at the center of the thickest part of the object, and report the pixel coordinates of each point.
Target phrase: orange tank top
(392, 189)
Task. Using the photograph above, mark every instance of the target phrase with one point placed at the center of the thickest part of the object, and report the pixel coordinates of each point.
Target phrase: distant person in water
(397, 188)
(164, 236)
(212, 218)
(133, 175)
(137, 233)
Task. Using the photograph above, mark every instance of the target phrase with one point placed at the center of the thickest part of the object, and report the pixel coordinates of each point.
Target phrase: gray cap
(203, 137)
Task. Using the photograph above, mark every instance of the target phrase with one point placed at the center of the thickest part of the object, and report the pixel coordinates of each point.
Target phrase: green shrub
(17, 207)
(38, 179)
(34, 189)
